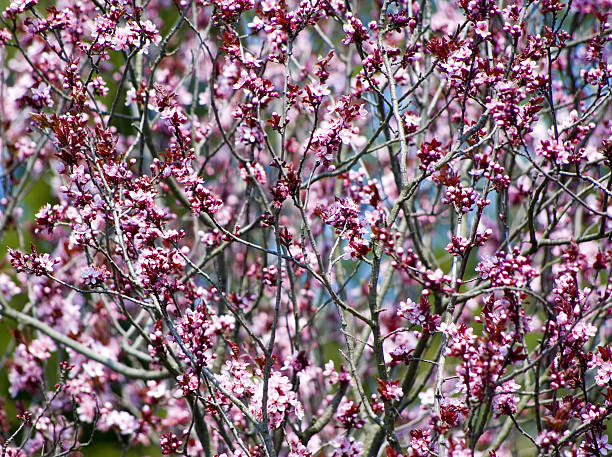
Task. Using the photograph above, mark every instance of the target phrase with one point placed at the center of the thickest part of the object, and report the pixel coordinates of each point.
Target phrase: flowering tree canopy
(308, 228)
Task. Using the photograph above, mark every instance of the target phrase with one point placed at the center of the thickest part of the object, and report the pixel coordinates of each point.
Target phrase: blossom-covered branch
(306, 227)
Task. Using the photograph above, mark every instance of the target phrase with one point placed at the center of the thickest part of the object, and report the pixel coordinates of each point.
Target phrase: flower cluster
(507, 269)
(344, 216)
(282, 402)
(35, 263)
(419, 314)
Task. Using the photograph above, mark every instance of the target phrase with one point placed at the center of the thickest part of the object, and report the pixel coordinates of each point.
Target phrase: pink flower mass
(306, 228)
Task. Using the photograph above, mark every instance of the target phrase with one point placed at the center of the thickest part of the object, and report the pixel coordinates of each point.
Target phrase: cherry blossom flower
(282, 401)
(347, 447)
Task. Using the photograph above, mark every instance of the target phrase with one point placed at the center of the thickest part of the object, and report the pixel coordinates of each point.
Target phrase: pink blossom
(347, 447)
(482, 29)
(281, 400)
